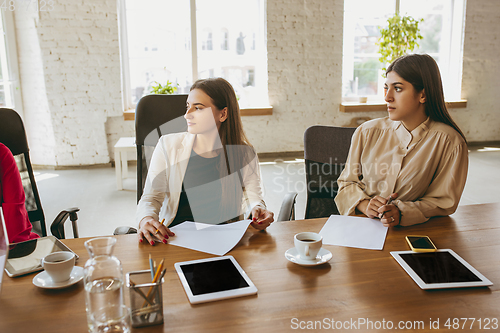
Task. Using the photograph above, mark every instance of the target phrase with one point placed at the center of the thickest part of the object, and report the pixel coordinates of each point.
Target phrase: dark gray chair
(155, 115)
(287, 210)
(13, 136)
(325, 152)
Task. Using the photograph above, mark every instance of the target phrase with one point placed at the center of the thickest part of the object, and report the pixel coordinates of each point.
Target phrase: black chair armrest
(57, 226)
(287, 210)
(125, 231)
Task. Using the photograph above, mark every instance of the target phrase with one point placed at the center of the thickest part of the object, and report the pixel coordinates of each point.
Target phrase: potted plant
(166, 89)
(400, 37)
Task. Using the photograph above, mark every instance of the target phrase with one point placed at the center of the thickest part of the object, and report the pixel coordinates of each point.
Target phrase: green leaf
(400, 37)
(168, 88)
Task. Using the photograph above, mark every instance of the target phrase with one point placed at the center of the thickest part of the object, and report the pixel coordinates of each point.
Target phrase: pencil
(158, 230)
(151, 267)
(388, 203)
(155, 288)
(155, 279)
(139, 291)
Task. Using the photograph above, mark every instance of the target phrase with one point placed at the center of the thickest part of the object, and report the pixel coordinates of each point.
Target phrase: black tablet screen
(438, 267)
(213, 276)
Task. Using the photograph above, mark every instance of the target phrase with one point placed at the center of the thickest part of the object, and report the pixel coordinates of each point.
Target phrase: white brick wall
(480, 121)
(78, 62)
(304, 44)
(70, 73)
(35, 102)
(116, 128)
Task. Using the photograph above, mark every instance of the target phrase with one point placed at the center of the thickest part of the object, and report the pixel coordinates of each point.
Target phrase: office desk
(355, 284)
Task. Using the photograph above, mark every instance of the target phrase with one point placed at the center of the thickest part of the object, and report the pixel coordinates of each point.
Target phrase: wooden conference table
(355, 285)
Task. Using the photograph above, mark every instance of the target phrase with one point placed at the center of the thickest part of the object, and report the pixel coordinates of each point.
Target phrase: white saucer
(43, 280)
(323, 256)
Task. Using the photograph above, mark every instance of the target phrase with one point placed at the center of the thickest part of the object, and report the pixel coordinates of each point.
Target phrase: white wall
(70, 77)
(481, 72)
(304, 44)
(70, 72)
(35, 100)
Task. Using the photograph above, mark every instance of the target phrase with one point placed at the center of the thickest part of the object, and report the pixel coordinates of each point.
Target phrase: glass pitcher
(103, 279)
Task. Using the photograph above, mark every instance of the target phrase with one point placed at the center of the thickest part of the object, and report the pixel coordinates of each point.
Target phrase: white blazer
(166, 172)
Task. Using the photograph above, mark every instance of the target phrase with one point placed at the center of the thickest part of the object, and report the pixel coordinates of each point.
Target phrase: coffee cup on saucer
(59, 265)
(308, 244)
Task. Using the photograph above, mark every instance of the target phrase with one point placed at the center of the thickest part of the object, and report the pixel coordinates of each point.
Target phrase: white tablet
(26, 257)
(213, 279)
(440, 270)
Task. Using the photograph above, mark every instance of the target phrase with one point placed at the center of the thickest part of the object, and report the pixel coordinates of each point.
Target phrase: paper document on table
(214, 239)
(351, 231)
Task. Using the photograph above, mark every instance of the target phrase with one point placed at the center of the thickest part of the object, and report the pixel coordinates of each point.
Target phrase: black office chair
(13, 135)
(157, 115)
(325, 152)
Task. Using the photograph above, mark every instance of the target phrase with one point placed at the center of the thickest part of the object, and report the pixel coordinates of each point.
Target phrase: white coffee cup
(59, 265)
(308, 244)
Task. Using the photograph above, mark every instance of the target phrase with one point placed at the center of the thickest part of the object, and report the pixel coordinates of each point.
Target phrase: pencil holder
(146, 299)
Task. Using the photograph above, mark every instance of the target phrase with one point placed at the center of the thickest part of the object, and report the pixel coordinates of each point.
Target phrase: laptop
(4, 246)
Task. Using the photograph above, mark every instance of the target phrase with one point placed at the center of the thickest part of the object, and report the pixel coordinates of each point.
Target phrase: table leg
(124, 164)
(118, 170)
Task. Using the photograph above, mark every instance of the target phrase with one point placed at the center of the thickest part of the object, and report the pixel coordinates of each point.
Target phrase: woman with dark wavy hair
(209, 174)
(411, 165)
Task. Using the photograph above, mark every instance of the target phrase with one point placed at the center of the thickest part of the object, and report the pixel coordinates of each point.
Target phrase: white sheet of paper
(351, 231)
(213, 239)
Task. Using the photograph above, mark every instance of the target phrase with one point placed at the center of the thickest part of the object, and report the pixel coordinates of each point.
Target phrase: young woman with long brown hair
(209, 174)
(416, 157)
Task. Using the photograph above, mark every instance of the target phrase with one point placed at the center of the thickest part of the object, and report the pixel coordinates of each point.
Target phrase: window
(225, 39)
(10, 94)
(442, 30)
(206, 43)
(207, 39)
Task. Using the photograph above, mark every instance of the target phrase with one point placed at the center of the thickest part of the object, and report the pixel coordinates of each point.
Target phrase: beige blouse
(427, 167)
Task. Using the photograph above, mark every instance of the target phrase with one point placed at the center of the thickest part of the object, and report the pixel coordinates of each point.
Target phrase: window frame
(12, 65)
(123, 43)
(194, 48)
